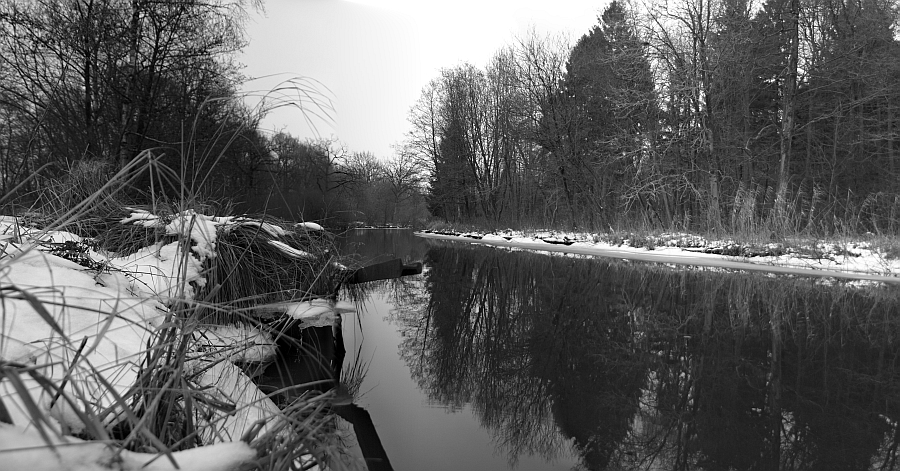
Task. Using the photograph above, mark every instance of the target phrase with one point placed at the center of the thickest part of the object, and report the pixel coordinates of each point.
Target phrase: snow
(492, 237)
(11, 229)
(26, 449)
(200, 228)
(235, 342)
(140, 217)
(88, 328)
(163, 272)
(316, 313)
(115, 324)
(310, 225)
(344, 307)
(227, 383)
(319, 312)
(855, 260)
(309, 309)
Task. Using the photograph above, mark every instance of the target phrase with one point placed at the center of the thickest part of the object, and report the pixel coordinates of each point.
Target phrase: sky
(367, 61)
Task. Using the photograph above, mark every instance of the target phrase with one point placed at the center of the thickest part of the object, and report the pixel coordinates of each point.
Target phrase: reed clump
(269, 263)
(172, 395)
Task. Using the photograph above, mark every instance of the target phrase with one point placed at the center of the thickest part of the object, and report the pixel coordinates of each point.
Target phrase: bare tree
(108, 78)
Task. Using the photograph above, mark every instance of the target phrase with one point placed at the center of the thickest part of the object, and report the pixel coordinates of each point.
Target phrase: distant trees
(320, 179)
(706, 114)
(105, 80)
(383, 191)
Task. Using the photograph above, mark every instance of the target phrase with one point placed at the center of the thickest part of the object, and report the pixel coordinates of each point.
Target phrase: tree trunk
(789, 88)
(127, 118)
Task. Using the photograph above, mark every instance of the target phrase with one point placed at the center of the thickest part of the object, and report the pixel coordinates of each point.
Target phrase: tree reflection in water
(640, 366)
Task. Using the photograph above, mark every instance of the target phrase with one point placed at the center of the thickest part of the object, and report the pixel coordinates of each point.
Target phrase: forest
(711, 115)
(89, 87)
(727, 116)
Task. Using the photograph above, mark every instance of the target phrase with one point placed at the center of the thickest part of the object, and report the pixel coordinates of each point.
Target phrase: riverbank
(853, 260)
(145, 353)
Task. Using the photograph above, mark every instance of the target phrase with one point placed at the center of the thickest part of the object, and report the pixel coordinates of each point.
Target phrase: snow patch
(854, 260)
(200, 228)
(56, 311)
(140, 217)
(164, 272)
(26, 449)
(227, 383)
(114, 326)
(235, 342)
(318, 312)
(310, 225)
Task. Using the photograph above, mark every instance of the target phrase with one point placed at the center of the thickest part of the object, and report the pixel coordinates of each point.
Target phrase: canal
(498, 359)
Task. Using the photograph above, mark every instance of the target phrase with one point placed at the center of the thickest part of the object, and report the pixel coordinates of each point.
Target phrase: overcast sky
(373, 57)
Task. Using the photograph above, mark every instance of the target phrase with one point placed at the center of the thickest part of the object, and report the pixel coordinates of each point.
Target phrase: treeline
(87, 86)
(719, 115)
(320, 179)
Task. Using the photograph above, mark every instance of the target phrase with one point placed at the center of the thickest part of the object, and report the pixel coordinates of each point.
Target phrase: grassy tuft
(253, 268)
(169, 407)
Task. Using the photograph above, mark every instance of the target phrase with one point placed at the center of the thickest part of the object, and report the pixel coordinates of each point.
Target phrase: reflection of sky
(416, 434)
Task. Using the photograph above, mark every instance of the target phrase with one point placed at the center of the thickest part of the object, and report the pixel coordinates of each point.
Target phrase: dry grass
(161, 412)
(249, 270)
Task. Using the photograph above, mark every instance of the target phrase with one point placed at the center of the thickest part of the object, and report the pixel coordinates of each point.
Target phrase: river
(496, 359)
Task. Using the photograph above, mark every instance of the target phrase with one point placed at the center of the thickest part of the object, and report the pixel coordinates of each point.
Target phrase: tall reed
(167, 408)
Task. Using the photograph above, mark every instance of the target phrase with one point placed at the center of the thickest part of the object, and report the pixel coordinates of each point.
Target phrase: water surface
(494, 359)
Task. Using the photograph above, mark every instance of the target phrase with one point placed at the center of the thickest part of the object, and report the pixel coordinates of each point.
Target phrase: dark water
(511, 360)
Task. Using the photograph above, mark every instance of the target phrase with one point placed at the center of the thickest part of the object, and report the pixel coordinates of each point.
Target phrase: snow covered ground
(28, 450)
(84, 320)
(855, 260)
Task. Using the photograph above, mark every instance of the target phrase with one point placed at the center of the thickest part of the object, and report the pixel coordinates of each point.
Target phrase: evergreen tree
(609, 88)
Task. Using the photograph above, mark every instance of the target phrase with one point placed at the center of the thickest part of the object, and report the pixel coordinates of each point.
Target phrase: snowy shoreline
(858, 263)
(58, 292)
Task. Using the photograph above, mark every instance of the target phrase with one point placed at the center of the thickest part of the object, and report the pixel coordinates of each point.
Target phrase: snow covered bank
(79, 327)
(27, 449)
(320, 312)
(235, 343)
(225, 382)
(855, 261)
(51, 307)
